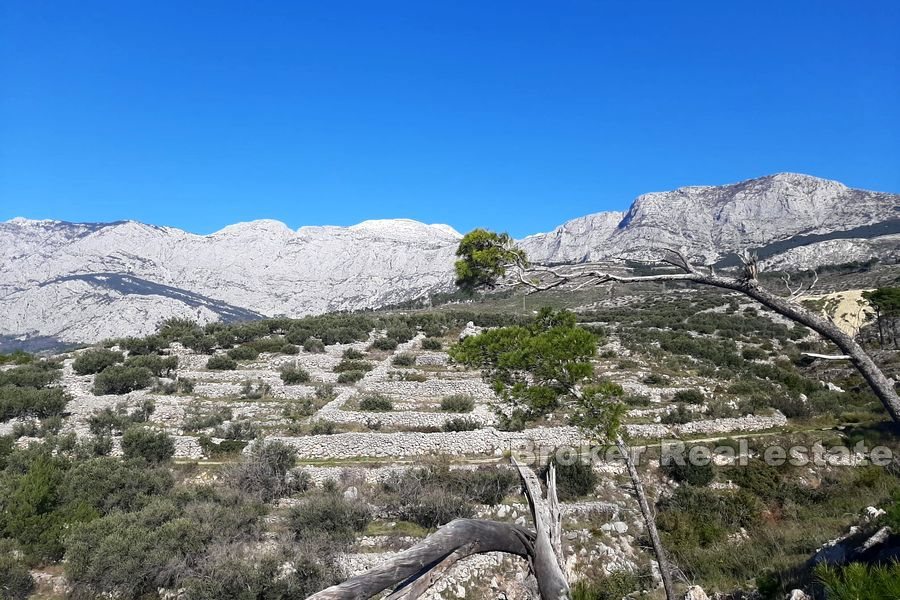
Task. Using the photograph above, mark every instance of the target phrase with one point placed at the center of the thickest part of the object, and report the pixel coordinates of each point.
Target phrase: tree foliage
(532, 366)
(482, 256)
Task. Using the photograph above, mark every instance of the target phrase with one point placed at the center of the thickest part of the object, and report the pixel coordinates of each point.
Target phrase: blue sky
(512, 115)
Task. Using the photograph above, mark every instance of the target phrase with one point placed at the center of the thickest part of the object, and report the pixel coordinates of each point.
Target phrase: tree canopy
(531, 367)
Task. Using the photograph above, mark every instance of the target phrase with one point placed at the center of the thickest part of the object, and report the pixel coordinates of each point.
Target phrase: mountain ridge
(82, 282)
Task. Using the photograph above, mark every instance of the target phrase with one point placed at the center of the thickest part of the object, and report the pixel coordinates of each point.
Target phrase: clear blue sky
(512, 115)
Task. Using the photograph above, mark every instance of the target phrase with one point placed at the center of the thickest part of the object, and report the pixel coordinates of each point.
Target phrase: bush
(263, 473)
(108, 421)
(678, 416)
(329, 515)
(353, 354)
(461, 424)
(35, 375)
(375, 403)
(751, 353)
(158, 365)
(238, 430)
(325, 392)
(353, 365)
(350, 376)
(297, 409)
(385, 343)
(573, 480)
(244, 353)
(431, 344)
(119, 379)
(94, 361)
(689, 396)
(146, 345)
(404, 359)
(221, 362)
(656, 379)
(198, 417)
(322, 427)
(17, 582)
(181, 385)
(152, 446)
(19, 402)
(698, 475)
(314, 345)
(459, 403)
(255, 390)
(289, 349)
(107, 484)
(293, 374)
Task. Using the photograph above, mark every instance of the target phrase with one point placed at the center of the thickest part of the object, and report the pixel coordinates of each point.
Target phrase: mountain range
(83, 282)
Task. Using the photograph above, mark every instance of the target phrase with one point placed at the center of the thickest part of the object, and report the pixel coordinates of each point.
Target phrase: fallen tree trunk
(411, 572)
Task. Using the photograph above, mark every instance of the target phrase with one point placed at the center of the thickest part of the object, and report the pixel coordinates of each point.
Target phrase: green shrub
(255, 390)
(314, 345)
(107, 484)
(221, 449)
(181, 385)
(238, 430)
(690, 396)
(461, 424)
(293, 374)
(679, 415)
(375, 403)
(459, 403)
(431, 344)
(353, 354)
(860, 580)
(751, 353)
(385, 343)
(199, 417)
(401, 333)
(263, 473)
(16, 582)
(95, 360)
(161, 366)
(656, 379)
(298, 409)
(614, 586)
(221, 362)
(20, 402)
(574, 479)
(350, 376)
(322, 427)
(404, 359)
(34, 375)
(17, 357)
(325, 392)
(152, 446)
(146, 345)
(353, 365)
(119, 379)
(289, 349)
(243, 353)
(699, 475)
(109, 421)
(329, 515)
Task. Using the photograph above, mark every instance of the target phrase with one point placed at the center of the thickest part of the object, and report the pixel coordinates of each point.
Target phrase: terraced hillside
(377, 424)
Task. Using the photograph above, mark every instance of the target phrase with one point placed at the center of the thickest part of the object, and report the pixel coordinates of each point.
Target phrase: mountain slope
(711, 221)
(81, 282)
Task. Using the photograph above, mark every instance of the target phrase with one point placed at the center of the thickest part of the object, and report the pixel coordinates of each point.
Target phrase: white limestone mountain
(769, 214)
(85, 282)
(82, 282)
